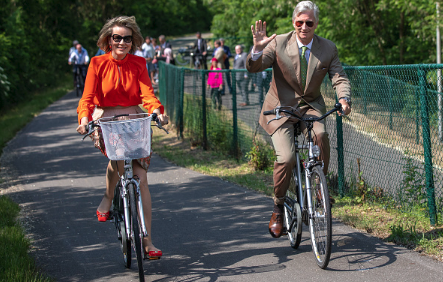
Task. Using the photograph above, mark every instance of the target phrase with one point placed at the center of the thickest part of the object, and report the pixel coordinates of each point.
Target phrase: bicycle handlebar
(90, 127)
(279, 109)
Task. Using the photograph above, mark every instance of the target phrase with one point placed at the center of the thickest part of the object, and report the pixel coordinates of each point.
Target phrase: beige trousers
(283, 141)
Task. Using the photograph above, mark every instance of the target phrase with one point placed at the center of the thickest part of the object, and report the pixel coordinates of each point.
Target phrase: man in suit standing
(290, 87)
(241, 77)
(200, 49)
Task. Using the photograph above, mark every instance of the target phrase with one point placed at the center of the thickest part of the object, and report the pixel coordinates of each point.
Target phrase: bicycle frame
(303, 194)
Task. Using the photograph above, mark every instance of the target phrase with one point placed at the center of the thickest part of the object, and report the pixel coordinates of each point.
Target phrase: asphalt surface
(208, 229)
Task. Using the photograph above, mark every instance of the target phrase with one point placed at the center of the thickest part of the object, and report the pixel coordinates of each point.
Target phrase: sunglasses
(117, 38)
(300, 23)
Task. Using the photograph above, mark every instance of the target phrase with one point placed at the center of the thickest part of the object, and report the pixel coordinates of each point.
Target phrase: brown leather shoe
(276, 225)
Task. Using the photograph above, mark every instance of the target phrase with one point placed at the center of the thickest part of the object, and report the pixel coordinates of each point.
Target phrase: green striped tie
(303, 67)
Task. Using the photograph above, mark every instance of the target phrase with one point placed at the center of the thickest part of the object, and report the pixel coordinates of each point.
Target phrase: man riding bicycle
(199, 49)
(80, 59)
(300, 60)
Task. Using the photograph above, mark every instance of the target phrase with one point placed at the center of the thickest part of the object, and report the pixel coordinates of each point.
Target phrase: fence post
(205, 133)
(180, 102)
(365, 94)
(161, 85)
(417, 115)
(340, 156)
(390, 100)
(427, 147)
(234, 115)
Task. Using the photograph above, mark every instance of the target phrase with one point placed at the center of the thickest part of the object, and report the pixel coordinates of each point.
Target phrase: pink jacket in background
(215, 79)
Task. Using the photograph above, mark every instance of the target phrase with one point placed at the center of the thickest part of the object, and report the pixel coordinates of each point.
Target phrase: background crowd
(154, 50)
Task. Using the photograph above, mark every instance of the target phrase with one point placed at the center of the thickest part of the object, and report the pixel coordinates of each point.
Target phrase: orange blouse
(112, 82)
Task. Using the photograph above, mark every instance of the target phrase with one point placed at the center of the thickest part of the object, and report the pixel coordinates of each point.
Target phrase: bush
(261, 155)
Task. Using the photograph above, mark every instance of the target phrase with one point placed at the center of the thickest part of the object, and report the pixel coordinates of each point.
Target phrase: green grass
(15, 262)
(411, 229)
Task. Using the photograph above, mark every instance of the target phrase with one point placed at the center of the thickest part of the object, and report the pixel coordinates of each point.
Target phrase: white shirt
(79, 59)
(149, 50)
(308, 51)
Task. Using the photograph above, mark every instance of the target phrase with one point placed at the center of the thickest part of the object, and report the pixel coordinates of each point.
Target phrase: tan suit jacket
(283, 56)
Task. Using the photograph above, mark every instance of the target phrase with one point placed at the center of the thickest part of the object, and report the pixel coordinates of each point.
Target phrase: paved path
(208, 229)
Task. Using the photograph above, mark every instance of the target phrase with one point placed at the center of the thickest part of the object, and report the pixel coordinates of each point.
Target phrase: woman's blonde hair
(123, 21)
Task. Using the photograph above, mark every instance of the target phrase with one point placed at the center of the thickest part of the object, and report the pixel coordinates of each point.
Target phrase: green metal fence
(392, 142)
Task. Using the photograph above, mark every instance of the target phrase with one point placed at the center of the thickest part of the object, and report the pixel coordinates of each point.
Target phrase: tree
(367, 32)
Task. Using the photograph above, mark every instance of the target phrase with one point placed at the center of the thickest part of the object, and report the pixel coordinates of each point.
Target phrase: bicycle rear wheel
(320, 224)
(136, 238)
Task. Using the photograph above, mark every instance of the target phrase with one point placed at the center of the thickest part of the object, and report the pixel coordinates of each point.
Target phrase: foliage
(35, 36)
(413, 192)
(366, 32)
(244, 13)
(379, 32)
(261, 155)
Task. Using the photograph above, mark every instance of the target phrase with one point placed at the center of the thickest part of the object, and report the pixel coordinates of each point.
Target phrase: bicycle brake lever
(161, 127)
(86, 135)
(90, 128)
(277, 115)
(343, 115)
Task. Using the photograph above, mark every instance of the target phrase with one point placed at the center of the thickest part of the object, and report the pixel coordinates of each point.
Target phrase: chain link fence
(392, 143)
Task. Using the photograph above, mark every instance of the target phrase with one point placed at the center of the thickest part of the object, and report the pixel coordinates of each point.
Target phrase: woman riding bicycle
(116, 84)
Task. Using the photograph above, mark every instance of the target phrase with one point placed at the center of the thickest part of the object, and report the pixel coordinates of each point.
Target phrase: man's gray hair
(304, 6)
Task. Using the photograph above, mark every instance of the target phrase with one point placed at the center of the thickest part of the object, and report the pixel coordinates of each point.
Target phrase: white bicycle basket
(127, 139)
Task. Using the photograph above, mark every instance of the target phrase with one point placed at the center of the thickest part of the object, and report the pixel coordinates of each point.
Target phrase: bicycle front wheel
(182, 60)
(136, 238)
(320, 222)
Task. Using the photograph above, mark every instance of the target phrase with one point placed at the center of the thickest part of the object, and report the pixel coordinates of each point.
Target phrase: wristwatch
(348, 100)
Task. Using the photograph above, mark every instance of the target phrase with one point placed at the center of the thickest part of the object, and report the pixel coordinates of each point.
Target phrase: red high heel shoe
(103, 216)
(153, 254)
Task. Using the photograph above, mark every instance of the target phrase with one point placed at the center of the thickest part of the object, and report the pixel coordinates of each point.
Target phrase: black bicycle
(127, 140)
(79, 79)
(309, 202)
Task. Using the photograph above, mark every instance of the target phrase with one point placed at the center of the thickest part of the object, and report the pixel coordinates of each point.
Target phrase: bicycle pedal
(285, 231)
